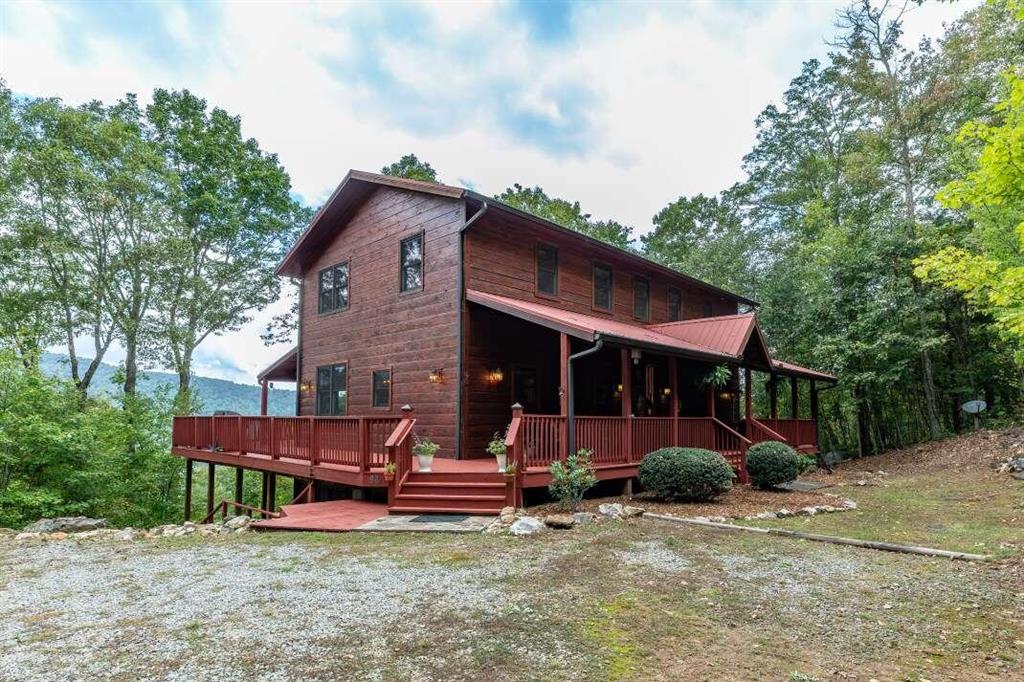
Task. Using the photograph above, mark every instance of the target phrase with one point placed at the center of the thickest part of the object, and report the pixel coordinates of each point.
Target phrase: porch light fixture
(635, 354)
(725, 395)
(306, 387)
(495, 376)
(436, 376)
(666, 391)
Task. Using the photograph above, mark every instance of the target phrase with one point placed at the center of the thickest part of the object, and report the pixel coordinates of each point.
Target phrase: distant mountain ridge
(213, 394)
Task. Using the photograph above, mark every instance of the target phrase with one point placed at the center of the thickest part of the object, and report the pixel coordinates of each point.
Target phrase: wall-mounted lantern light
(635, 354)
(495, 376)
(666, 391)
(306, 387)
(725, 395)
(436, 376)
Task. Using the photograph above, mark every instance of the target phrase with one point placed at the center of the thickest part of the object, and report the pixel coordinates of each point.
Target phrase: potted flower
(497, 448)
(389, 471)
(510, 470)
(424, 449)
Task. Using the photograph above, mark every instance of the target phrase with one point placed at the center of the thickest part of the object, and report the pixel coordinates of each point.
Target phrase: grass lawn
(947, 510)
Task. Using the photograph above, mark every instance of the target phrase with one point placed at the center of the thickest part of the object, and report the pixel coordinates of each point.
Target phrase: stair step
(455, 477)
(414, 509)
(461, 489)
(460, 498)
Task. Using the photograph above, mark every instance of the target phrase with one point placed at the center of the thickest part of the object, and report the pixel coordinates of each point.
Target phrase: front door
(524, 388)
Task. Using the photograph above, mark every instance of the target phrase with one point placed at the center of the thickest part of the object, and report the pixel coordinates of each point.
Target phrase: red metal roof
(713, 338)
(589, 327)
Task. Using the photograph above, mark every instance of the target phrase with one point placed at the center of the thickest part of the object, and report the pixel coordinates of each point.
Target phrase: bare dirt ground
(632, 599)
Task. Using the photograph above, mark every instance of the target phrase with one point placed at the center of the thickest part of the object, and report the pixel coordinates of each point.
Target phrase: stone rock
(157, 531)
(584, 518)
(237, 522)
(849, 504)
(507, 515)
(784, 513)
(613, 510)
(767, 515)
(827, 508)
(1019, 475)
(560, 520)
(717, 519)
(22, 537)
(130, 534)
(7, 531)
(628, 511)
(1015, 465)
(526, 525)
(807, 511)
(59, 535)
(66, 524)
(98, 534)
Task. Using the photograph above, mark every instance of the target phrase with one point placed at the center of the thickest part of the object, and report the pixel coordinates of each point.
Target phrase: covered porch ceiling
(730, 339)
(282, 369)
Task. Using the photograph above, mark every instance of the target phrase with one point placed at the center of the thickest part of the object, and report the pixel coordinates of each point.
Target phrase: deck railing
(347, 441)
(536, 439)
(796, 432)
(398, 451)
(758, 432)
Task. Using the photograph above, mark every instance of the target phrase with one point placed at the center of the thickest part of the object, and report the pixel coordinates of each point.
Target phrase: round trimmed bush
(770, 463)
(686, 474)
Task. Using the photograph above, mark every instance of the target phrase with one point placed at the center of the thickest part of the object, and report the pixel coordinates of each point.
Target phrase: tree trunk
(131, 364)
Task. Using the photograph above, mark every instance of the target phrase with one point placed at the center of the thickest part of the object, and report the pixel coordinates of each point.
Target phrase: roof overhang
(284, 368)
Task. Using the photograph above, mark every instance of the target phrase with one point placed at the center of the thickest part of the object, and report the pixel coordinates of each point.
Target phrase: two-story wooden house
(436, 297)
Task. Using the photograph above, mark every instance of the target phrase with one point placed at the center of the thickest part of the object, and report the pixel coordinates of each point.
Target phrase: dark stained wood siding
(412, 333)
(500, 259)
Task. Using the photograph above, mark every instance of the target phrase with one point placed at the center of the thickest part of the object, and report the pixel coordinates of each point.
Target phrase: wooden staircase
(449, 493)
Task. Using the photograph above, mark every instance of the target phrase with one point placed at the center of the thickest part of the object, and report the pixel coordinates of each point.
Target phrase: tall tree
(412, 168)
(567, 214)
(232, 218)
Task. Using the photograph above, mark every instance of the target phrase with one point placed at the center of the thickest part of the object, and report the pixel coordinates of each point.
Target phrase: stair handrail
(399, 452)
(766, 430)
(223, 505)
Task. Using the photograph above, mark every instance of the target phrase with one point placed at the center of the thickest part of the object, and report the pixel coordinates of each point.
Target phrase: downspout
(460, 295)
(571, 415)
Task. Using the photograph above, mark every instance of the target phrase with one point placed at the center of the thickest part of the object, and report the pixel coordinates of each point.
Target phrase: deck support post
(271, 492)
(239, 474)
(627, 405)
(210, 479)
(563, 390)
(188, 489)
(748, 399)
(773, 396)
(263, 397)
(795, 406)
(673, 387)
(814, 413)
(264, 489)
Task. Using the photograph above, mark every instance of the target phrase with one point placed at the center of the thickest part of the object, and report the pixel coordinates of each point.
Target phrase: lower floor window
(332, 390)
(382, 388)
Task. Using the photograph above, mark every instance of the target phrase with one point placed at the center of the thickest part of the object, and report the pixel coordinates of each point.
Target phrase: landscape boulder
(560, 520)
(628, 511)
(66, 524)
(612, 510)
(526, 525)
(584, 518)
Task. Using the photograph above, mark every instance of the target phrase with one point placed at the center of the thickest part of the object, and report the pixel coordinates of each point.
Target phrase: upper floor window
(602, 287)
(332, 390)
(547, 270)
(641, 298)
(675, 304)
(382, 388)
(411, 277)
(332, 289)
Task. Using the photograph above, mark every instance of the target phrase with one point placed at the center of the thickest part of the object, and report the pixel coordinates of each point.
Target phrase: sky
(621, 106)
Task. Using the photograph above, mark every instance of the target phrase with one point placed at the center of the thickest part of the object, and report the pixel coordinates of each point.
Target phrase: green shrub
(569, 481)
(770, 463)
(807, 463)
(687, 474)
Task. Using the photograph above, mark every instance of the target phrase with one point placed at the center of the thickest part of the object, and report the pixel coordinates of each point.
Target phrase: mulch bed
(738, 502)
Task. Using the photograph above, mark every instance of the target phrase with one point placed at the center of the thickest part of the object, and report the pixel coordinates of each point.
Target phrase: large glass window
(602, 287)
(641, 298)
(547, 270)
(675, 304)
(382, 388)
(332, 390)
(412, 263)
(333, 288)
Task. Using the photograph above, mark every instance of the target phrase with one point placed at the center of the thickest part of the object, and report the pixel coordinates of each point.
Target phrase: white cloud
(673, 91)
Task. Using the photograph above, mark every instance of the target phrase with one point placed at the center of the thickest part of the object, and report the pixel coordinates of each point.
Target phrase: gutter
(571, 390)
(460, 332)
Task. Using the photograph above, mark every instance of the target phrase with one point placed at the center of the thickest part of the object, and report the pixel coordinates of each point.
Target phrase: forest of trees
(880, 225)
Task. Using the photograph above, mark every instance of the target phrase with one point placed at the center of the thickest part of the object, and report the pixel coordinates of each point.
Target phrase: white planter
(502, 461)
(425, 461)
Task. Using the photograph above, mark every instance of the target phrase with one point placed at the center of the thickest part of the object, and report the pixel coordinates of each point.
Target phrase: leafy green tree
(534, 200)
(989, 268)
(232, 218)
(412, 168)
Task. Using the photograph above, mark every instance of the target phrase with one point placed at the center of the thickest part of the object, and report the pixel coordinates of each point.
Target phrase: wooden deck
(332, 517)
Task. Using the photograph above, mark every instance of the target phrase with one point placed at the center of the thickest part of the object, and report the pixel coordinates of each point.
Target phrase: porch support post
(239, 473)
(814, 411)
(748, 398)
(773, 396)
(673, 386)
(626, 377)
(563, 389)
(795, 402)
(188, 489)
(709, 389)
(263, 398)
(210, 479)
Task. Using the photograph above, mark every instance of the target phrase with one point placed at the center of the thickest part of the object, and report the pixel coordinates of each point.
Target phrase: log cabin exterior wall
(500, 259)
(412, 333)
